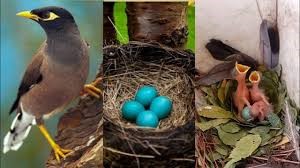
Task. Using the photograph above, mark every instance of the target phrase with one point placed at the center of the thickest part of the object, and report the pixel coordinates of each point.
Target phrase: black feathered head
(52, 18)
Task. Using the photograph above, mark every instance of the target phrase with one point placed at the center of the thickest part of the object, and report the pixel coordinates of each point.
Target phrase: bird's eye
(47, 16)
(44, 15)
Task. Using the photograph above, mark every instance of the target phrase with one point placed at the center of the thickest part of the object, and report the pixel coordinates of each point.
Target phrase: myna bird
(56, 76)
(241, 95)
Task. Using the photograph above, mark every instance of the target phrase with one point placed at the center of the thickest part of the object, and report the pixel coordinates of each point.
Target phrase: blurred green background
(20, 39)
(121, 24)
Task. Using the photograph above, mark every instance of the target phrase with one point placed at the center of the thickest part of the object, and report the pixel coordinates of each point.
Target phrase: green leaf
(207, 90)
(274, 120)
(263, 150)
(230, 127)
(280, 100)
(222, 149)
(275, 139)
(214, 112)
(227, 88)
(231, 164)
(260, 130)
(211, 123)
(228, 138)
(274, 90)
(210, 96)
(212, 100)
(244, 148)
(221, 91)
(265, 139)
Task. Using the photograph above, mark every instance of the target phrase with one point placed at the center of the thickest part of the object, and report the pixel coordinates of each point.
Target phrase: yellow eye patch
(52, 16)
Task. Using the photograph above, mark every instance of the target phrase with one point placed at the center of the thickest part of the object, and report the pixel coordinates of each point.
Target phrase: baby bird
(241, 96)
(260, 110)
(256, 93)
(261, 105)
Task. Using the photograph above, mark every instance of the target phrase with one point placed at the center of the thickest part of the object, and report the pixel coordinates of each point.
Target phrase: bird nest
(128, 67)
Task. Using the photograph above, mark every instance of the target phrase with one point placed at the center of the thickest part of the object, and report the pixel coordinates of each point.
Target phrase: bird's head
(254, 77)
(52, 18)
(240, 71)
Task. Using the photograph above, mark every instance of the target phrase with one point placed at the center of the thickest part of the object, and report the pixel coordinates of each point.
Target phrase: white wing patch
(19, 130)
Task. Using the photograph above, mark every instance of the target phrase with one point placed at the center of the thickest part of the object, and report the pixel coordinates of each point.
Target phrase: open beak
(241, 69)
(29, 15)
(254, 77)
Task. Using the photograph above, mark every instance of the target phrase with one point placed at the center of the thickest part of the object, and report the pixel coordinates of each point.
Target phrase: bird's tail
(19, 130)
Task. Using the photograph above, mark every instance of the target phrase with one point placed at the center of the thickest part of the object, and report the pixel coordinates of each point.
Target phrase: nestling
(256, 94)
(260, 110)
(241, 95)
(261, 106)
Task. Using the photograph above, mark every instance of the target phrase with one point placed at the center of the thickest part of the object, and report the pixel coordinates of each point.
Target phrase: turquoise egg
(161, 106)
(147, 119)
(131, 109)
(146, 94)
(246, 114)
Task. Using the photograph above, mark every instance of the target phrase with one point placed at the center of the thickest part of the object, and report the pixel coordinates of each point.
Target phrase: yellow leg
(92, 89)
(58, 151)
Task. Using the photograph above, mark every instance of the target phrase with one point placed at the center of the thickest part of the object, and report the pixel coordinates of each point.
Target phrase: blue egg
(146, 94)
(131, 109)
(246, 114)
(161, 106)
(147, 119)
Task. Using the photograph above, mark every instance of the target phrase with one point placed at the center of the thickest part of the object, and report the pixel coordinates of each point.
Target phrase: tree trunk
(165, 22)
(80, 129)
(109, 32)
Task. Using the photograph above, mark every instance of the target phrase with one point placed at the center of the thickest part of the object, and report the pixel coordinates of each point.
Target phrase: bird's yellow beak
(254, 77)
(241, 69)
(29, 15)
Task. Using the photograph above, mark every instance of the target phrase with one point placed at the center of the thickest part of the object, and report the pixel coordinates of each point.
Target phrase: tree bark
(80, 129)
(109, 32)
(165, 22)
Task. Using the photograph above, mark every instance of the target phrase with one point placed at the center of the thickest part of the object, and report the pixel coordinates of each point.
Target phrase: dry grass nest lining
(126, 70)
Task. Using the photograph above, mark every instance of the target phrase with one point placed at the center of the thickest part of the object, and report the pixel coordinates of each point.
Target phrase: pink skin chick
(256, 93)
(241, 96)
(260, 110)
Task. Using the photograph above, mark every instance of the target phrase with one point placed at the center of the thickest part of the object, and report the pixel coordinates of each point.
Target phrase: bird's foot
(60, 152)
(92, 89)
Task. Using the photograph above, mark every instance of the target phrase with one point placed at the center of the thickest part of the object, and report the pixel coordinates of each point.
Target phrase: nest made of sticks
(130, 66)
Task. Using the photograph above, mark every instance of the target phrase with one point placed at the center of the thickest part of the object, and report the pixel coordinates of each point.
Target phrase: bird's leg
(265, 99)
(58, 151)
(246, 102)
(261, 116)
(92, 89)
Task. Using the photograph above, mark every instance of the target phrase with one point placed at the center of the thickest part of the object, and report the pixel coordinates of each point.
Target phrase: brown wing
(31, 77)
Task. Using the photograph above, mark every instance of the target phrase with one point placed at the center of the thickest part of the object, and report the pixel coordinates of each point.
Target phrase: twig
(260, 158)
(256, 166)
(183, 159)
(128, 154)
(286, 161)
(123, 39)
